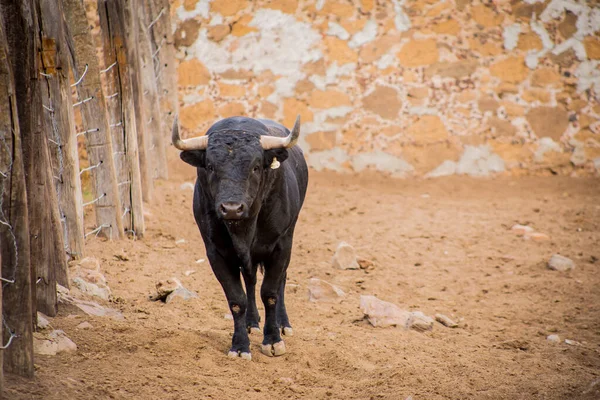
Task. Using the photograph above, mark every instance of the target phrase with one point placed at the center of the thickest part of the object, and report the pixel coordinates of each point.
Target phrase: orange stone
(485, 48)
(367, 5)
(338, 50)
(216, 33)
(417, 53)
(232, 109)
(338, 8)
(438, 9)
(228, 7)
(328, 99)
(231, 90)
(383, 101)
(292, 108)
(265, 91)
(532, 95)
(545, 76)
(529, 41)
(353, 26)
(447, 27)
(268, 110)
(193, 116)
(512, 109)
(512, 69)
(428, 129)
(320, 141)
(486, 17)
(592, 47)
(286, 6)
(189, 5)
(374, 50)
(193, 73)
(241, 28)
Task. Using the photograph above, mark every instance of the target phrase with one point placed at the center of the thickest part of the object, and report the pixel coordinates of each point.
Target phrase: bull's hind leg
(275, 269)
(283, 321)
(252, 316)
(228, 275)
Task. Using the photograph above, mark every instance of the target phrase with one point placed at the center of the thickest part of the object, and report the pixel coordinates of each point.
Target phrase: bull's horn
(197, 143)
(274, 142)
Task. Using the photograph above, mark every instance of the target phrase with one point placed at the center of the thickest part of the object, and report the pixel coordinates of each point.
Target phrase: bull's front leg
(271, 293)
(228, 275)
(252, 316)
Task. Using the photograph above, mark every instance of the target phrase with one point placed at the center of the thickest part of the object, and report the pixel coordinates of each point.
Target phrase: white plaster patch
(511, 36)
(387, 60)
(333, 72)
(574, 44)
(401, 20)
(382, 162)
(479, 161)
(545, 144)
(320, 4)
(217, 19)
(201, 10)
(282, 46)
(337, 30)
(588, 19)
(192, 98)
(334, 112)
(423, 111)
(588, 76)
(330, 159)
(366, 35)
(446, 168)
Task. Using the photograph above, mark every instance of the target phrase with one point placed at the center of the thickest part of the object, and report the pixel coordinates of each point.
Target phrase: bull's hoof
(287, 331)
(236, 354)
(254, 330)
(276, 349)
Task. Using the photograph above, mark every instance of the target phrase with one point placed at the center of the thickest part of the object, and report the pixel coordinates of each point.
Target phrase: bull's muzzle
(230, 210)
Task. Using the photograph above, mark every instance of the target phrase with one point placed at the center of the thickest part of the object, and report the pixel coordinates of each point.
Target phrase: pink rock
(322, 291)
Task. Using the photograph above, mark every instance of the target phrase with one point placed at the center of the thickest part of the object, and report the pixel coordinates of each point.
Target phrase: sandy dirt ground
(439, 246)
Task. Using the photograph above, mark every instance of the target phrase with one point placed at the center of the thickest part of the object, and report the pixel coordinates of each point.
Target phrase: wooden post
(96, 127)
(14, 226)
(62, 137)
(131, 43)
(163, 51)
(122, 114)
(151, 99)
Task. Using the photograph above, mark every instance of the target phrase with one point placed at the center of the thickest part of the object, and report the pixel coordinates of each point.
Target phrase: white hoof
(254, 330)
(287, 331)
(236, 354)
(277, 349)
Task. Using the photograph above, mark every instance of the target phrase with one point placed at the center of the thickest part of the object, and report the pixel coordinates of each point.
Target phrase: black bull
(250, 187)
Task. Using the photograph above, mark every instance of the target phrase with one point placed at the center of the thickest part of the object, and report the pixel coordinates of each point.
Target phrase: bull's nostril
(223, 209)
(240, 209)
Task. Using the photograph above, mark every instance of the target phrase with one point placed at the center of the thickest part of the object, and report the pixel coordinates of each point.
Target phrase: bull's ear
(281, 154)
(196, 158)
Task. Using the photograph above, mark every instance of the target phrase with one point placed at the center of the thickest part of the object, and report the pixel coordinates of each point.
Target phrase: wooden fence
(57, 89)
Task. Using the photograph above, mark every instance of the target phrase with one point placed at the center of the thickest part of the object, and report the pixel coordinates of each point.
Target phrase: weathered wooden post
(122, 114)
(14, 226)
(97, 131)
(62, 138)
(150, 91)
(131, 44)
(163, 54)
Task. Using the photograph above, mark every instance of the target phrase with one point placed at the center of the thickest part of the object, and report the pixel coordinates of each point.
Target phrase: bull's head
(236, 164)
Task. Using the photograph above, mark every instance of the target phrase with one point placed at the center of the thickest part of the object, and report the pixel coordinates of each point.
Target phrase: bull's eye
(210, 168)
(256, 169)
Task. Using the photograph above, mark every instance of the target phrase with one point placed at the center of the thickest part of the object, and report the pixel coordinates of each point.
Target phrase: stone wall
(418, 87)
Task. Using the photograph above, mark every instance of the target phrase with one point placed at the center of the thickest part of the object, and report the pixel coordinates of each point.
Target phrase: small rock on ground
(187, 185)
(345, 257)
(42, 321)
(322, 291)
(560, 263)
(521, 229)
(446, 321)
(56, 342)
(168, 290)
(85, 325)
(381, 313)
(553, 338)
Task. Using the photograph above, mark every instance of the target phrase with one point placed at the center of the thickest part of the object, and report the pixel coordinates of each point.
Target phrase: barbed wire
(12, 335)
(3, 219)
